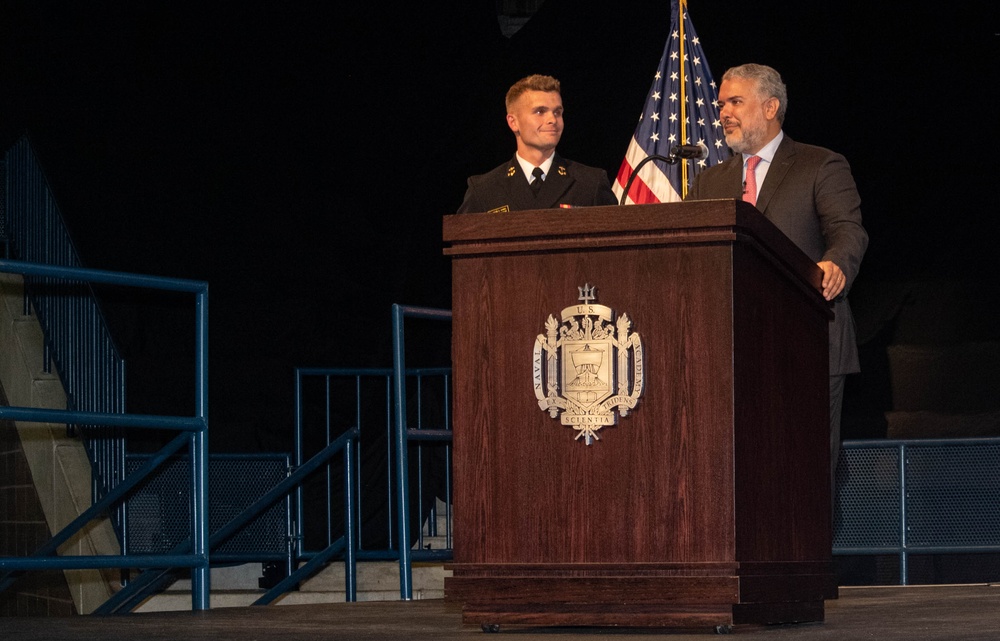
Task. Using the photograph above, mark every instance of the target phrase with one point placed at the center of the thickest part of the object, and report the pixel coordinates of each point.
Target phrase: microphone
(677, 153)
(690, 152)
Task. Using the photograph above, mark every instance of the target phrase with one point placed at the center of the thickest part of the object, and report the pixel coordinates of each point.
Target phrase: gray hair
(769, 84)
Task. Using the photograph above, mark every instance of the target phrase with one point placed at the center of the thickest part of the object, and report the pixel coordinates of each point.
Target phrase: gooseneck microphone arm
(670, 160)
(677, 153)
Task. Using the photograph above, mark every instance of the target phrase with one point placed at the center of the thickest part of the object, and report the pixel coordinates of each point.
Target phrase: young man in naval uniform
(536, 177)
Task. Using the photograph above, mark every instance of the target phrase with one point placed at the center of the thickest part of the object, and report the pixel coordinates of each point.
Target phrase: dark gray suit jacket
(810, 195)
(567, 184)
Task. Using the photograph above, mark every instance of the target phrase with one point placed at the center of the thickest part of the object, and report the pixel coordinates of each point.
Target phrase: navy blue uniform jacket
(568, 184)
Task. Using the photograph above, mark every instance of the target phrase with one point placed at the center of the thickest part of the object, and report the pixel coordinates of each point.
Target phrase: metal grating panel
(159, 511)
(868, 499)
(953, 495)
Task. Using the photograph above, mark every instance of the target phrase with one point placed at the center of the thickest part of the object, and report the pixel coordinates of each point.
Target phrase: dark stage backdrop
(299, 156)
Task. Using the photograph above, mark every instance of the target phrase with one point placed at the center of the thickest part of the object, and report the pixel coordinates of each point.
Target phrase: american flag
(682, 91)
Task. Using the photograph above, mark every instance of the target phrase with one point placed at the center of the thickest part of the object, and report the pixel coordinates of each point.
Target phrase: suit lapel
(733, 175)
(776, 173)
(518, 192)
(555, 186)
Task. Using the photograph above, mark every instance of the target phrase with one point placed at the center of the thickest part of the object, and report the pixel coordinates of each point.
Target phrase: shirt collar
(767, 151)
(526, 166)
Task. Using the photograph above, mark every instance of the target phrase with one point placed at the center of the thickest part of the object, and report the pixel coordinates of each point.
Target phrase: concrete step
(180, 601)
(945, 378)
(432, 542)
(237, 586)
(379, 581)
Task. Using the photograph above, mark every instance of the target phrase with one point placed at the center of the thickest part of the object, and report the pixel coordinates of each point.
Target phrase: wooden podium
(708, 504)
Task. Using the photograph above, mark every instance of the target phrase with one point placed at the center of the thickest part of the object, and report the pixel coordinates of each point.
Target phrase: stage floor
(952, 613)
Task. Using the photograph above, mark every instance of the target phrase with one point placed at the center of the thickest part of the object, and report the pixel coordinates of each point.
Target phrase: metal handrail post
(402, 437)
(200, 575)
(903, 541)
(350, 528)
(296, 463)
(328, 471)
(402, 463)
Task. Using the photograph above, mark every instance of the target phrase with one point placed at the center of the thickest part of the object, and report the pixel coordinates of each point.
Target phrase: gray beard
(749, 140)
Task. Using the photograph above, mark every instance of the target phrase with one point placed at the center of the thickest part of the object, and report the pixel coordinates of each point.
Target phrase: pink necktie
(750, 186)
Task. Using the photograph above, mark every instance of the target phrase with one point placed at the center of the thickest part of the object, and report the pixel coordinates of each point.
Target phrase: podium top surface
(605, 227)
(606, 218)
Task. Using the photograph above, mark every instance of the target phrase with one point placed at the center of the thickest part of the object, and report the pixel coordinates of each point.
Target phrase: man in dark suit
(808, 192)
(537, 177)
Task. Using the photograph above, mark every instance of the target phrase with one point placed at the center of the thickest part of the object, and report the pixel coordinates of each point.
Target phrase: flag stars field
(690, 89)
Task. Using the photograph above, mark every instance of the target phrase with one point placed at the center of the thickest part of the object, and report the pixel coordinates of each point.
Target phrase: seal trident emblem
(587, 365)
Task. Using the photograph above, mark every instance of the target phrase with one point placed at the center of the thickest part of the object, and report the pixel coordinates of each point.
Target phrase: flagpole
(681, 6)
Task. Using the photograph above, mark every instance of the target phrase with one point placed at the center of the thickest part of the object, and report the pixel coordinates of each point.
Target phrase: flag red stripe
(639, 192)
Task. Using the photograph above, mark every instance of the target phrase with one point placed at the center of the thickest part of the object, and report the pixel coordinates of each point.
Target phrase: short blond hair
(535, 82)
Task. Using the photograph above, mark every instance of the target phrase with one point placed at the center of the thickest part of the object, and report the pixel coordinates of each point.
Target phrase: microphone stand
(672, 159)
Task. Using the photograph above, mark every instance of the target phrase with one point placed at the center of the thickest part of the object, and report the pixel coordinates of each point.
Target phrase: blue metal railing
(404, 433)
(77, 340)
(193, 432)
(151, 580)
(330, 399)
(920, 496)
(345, 444)
(399, 413)
(78, 343)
